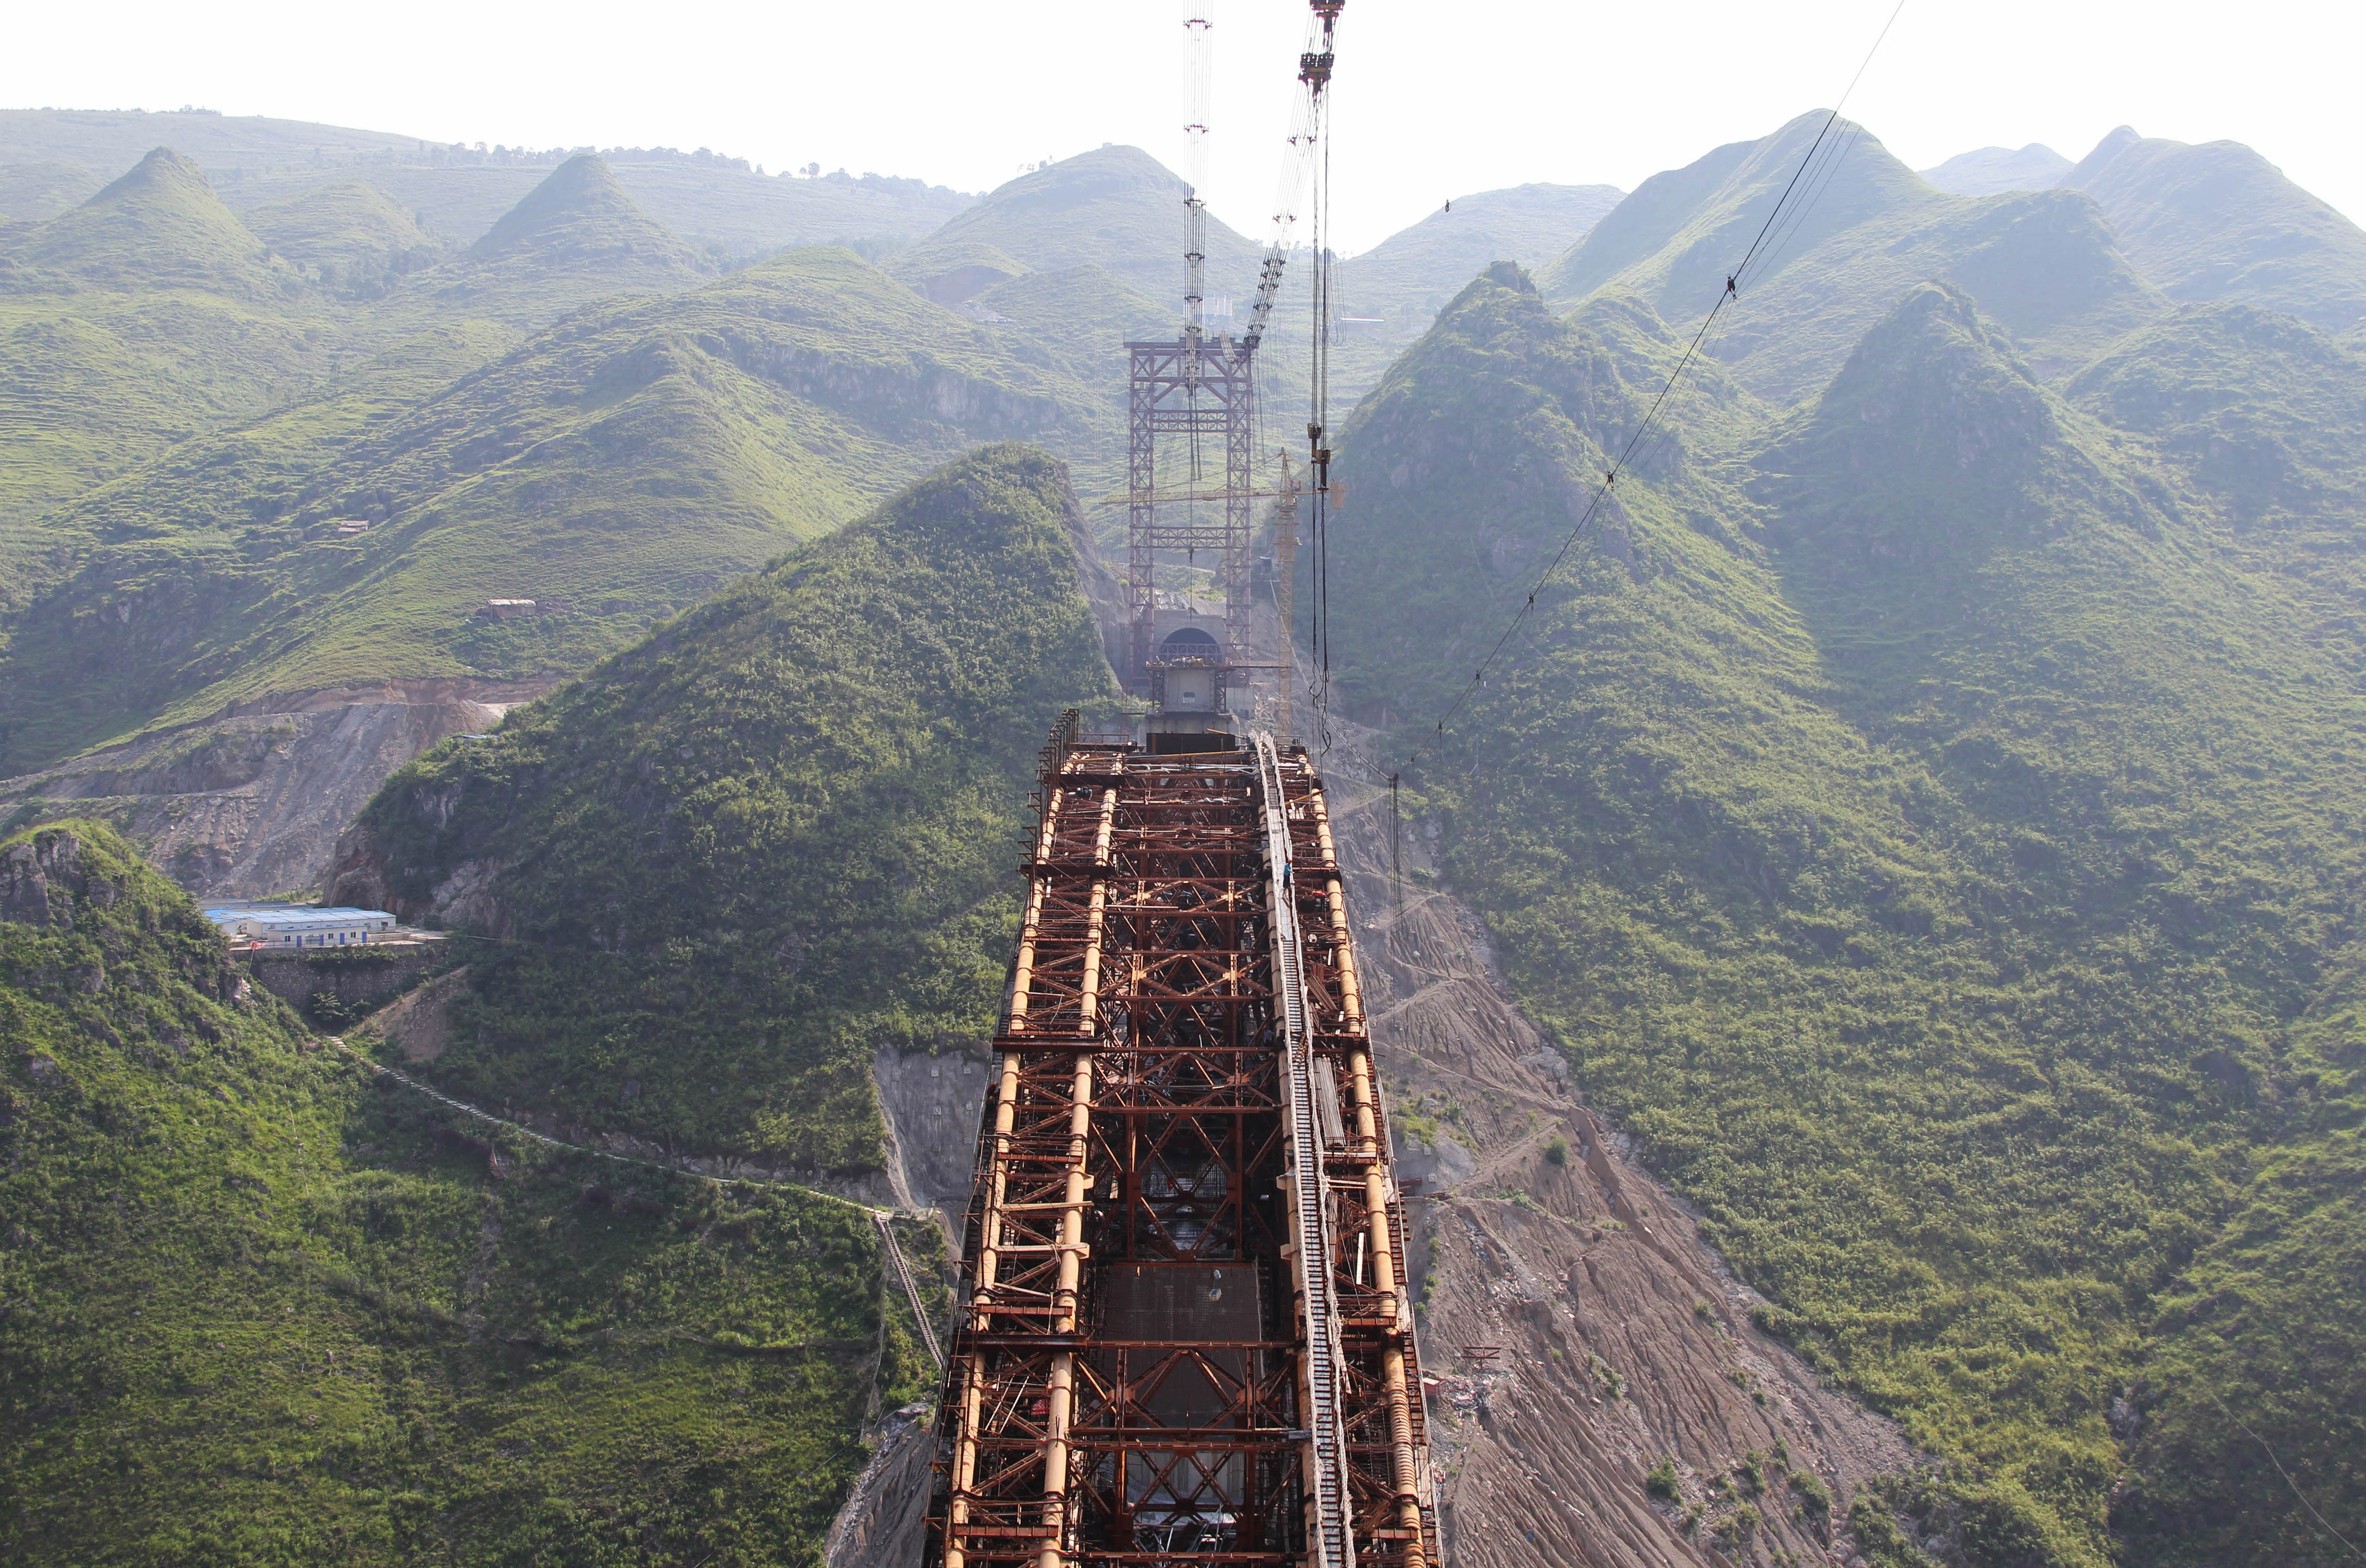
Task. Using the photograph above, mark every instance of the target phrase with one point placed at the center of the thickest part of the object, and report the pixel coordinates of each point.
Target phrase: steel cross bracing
(1167, 1354)
(1195, 392)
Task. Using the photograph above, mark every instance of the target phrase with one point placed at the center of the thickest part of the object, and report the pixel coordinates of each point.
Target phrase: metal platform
(1185, 1336)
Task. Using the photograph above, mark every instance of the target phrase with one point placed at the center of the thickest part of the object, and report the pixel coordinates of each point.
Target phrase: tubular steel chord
(1145, 1373)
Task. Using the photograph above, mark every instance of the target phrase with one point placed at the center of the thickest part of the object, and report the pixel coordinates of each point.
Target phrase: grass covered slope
(2218, 221)
(2265, 412)
(1924, 829)
(349, 235)
(2246, 1438)
(731, 862)
(37, 192)
(1117, 208)
(147, 315)
(1421, 267)
(580, 220)
(1987, 171)
(615, 469)
(51, 159)
(260, 1310)
(152, 314)
(161, 226)
(2044, 265)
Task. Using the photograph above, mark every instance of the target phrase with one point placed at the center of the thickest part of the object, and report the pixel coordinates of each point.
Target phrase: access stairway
(1185, 1335)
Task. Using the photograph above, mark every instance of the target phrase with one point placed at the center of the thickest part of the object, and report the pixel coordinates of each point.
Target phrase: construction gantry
(1206, 395)
(1185, 1336)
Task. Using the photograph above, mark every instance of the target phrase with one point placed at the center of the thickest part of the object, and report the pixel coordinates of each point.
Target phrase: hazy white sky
(1433, 100)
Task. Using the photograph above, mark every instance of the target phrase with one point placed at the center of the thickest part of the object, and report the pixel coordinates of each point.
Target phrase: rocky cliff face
(931, 1105)
(252, 801)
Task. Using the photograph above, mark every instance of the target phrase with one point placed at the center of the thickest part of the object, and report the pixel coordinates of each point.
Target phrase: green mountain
(1118, 208)
(2044, 265)
(116, 139)
(458, 191)
(613, 471)
(718, 203)
(2263, 411)
(2245, 1436)
(264, 1308)
(581, 218)
(152, 314)
(576, 237)
(33, 193)
(1417, 270)
(161, 226)
(1924, 808)
(732, 862)
(345, 231)
(2218, 221)
(1992, 170)
(145, 316)
(1928, 825)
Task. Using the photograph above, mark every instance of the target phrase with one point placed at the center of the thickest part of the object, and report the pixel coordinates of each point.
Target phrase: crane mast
(1200, 388)
(1198, 45)
(1185, 1336)
(1306, 131)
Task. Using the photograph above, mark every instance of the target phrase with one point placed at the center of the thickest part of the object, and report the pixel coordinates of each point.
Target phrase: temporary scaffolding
(1185, 1335)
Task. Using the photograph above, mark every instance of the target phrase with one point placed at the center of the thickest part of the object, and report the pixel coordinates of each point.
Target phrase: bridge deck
(1185, 1336)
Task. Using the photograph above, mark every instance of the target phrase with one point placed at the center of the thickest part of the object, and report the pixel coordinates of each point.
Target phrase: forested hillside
(2045, 264)
(613, 470)
(2218, 221)
(262, 1308)
(1414, 272)
(729, 863)
(574, 414)
(1929, 819)
(1924, 806)
(265, 1308)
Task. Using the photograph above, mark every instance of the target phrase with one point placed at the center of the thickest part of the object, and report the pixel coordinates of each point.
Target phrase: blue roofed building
(300, 925)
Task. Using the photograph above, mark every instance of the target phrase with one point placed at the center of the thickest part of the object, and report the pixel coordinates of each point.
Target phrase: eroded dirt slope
(1576, 1333)
(252, 801)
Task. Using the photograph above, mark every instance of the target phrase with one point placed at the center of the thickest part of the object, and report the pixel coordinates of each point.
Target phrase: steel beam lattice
(1183, 1339)
(1201, 394)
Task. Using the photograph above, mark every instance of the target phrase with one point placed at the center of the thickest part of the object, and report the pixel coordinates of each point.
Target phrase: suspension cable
(1729, 295)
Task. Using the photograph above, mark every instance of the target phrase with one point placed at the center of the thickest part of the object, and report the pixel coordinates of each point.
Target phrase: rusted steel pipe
(1405, 1465)
(964, 1459)
(1029, 922)
(1351, 996)
(1089, 998)
(1005, 1114)
(1060, 1401)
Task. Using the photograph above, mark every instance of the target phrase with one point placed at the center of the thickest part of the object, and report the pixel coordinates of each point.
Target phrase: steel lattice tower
(1204, 394)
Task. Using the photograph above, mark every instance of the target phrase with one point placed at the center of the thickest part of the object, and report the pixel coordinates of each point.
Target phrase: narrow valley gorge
(1851, 824)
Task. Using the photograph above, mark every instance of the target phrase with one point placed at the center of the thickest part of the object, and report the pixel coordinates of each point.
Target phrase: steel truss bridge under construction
(1185, 1336)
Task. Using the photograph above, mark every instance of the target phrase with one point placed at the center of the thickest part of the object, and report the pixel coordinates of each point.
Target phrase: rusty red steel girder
(1129, 1376)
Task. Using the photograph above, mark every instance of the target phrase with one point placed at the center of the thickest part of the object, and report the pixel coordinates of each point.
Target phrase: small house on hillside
(300, 926)
(503, 609)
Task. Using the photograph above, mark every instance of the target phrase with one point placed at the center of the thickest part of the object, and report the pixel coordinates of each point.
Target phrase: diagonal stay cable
(2298, 1496)
(1729, 295)
(1601, 492)
(1830, 120)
